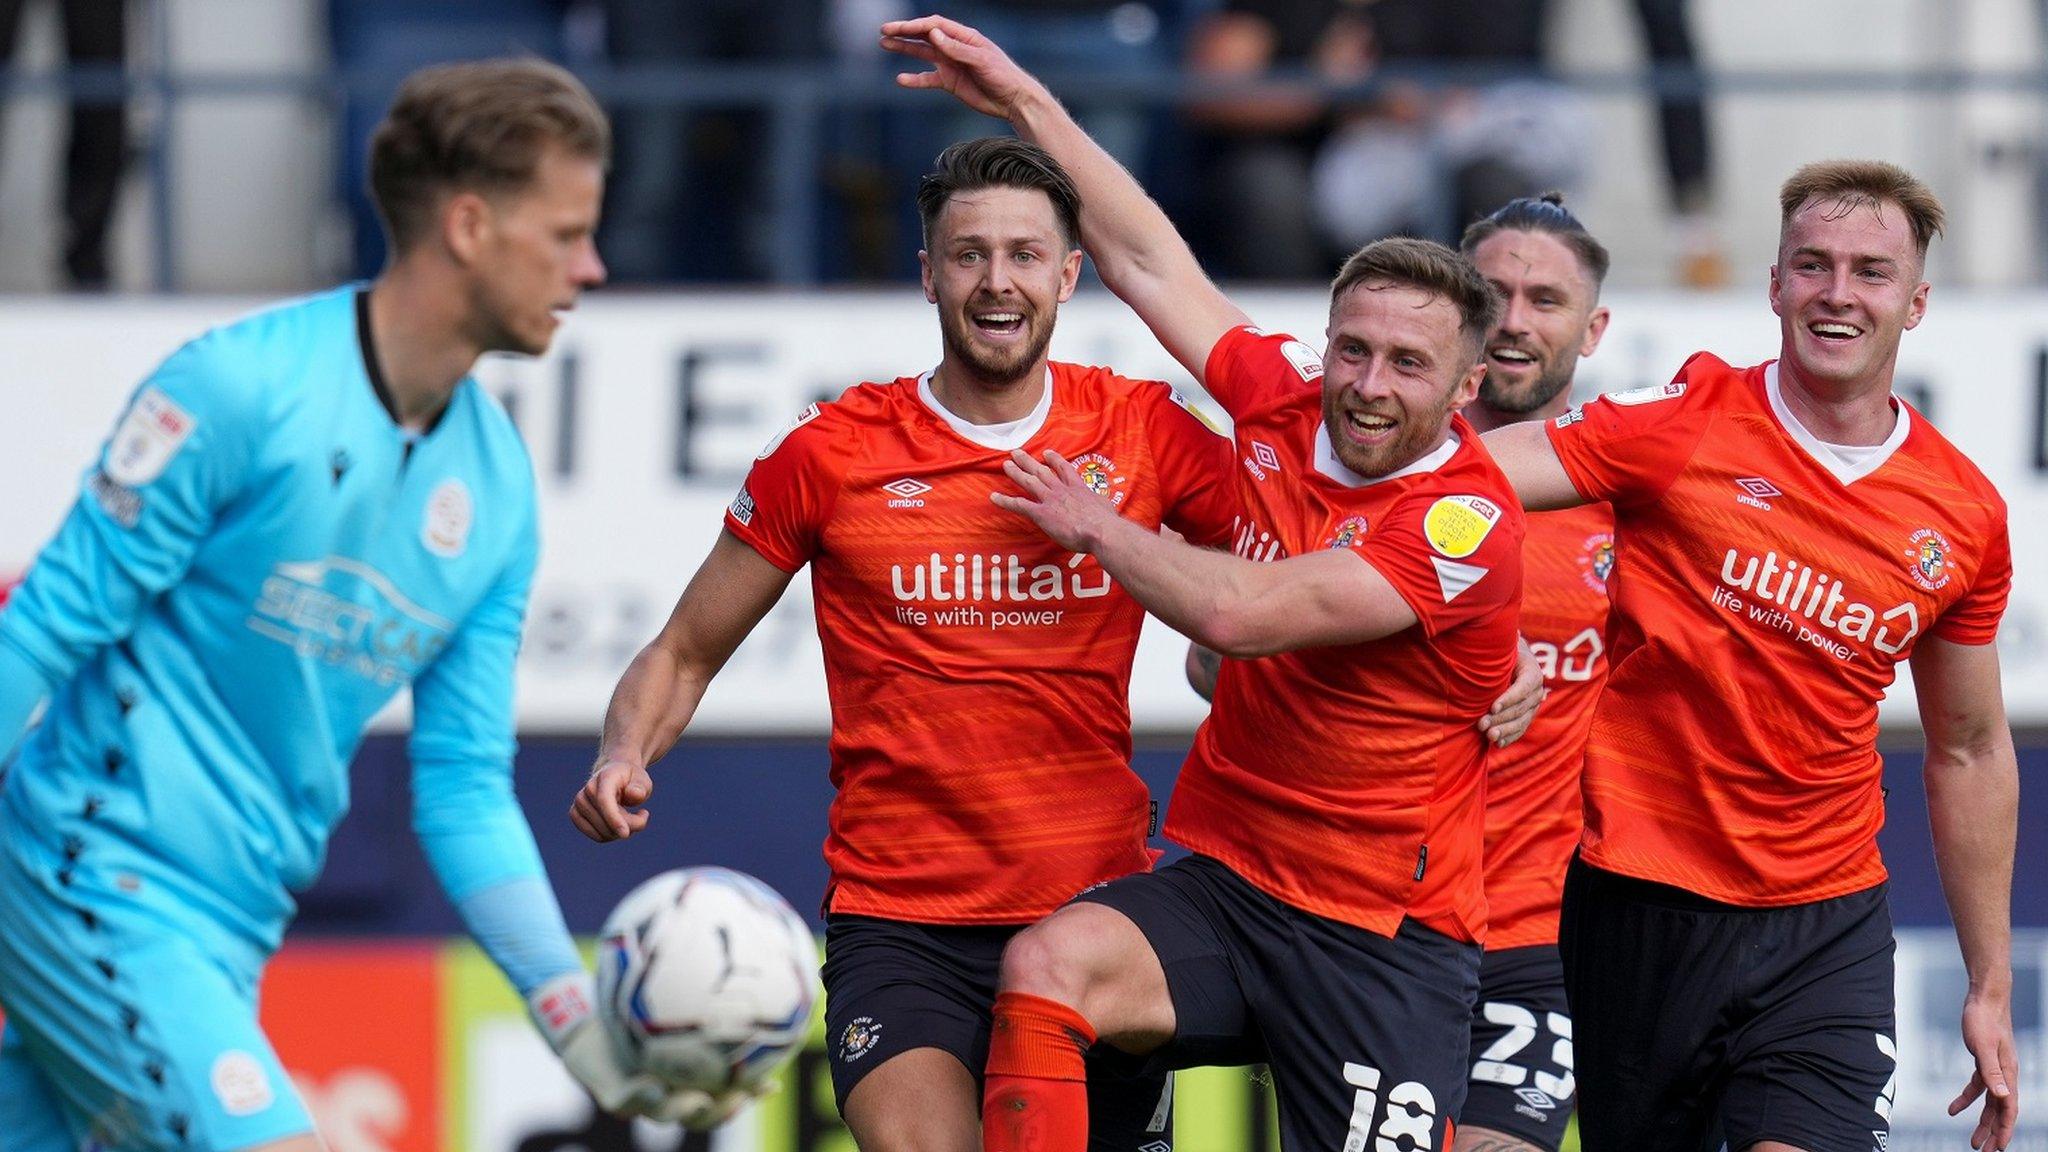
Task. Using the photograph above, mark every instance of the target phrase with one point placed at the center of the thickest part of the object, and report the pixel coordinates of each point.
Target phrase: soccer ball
(706, 978)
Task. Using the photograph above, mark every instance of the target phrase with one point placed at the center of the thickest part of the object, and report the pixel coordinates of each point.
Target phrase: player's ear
(1596, 327)
(1070, 275)
(465, 221)
(1918, 307)
(1467, 389)
(924, 272)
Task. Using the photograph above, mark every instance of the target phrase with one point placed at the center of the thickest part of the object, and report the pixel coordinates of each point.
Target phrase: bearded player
(1328, 920)
(1547, 269)
(1792, 532)
(978, 672)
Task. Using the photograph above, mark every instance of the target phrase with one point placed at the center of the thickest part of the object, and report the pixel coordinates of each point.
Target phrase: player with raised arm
(299, 514)
(1792, 532)
(1329, 920)
(979, 673)
(1548, 270)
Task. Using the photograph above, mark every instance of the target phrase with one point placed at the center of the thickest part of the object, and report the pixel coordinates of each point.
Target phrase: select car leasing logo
(1756, 492)
(906, 492)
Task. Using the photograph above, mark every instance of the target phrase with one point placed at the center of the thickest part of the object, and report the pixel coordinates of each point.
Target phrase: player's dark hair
(999, 162)
(1425, 264)
(1547, 214)
(1854, 183)
(479, 127)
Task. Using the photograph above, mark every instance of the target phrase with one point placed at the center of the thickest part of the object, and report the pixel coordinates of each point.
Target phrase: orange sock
(1035, 1097)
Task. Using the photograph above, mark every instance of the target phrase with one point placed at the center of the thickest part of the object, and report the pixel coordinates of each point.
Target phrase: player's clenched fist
(608, 807)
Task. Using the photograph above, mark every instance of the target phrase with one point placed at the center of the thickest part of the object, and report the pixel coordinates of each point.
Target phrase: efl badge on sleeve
(1457, 525)
(148, 438)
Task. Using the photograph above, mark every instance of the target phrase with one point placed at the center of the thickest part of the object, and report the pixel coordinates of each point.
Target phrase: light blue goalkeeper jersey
(260, 559)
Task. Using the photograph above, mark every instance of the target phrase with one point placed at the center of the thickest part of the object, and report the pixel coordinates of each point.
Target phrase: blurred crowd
(1342, 121)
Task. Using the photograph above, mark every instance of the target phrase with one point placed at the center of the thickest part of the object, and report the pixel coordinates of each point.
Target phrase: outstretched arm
(1973, 812)
(1506, 722)
(1136, 250)
(1231, 605)
(733, 589)
(1525, 453)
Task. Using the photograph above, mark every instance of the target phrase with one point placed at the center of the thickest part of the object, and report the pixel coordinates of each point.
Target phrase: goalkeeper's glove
(565, 1010)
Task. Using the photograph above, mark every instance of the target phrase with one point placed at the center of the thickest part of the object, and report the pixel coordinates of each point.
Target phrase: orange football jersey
(1533, 811)
(979, 673)
(1768, 589)
(1348, 781)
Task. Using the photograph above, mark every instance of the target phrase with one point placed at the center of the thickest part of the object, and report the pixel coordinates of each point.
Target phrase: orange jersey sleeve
(1198, 495)
(1626, 447)
(1346, 781)
(1249, 369)
(789, 491)
(1765, 595)
(979, 674)
(1533, 813)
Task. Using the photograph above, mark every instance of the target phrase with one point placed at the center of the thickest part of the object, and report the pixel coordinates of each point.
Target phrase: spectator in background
(95, 34)
(1424, 162)
(689, 196)
(1682, 124)
(1257, 150)
(1295, 181)
(1101, 38)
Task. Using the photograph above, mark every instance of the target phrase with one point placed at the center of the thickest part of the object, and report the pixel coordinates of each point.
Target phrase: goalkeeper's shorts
(121, 1030)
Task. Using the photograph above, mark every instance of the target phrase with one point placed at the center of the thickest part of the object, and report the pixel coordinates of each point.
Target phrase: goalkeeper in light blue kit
(298, 515)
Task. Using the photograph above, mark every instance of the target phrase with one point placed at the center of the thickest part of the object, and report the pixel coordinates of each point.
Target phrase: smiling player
(979, 673)
(1793, 531)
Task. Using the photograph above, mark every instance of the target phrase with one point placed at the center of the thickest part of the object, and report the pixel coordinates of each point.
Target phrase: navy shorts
(1365, 1035)
(891, 986)
(1774, 1023)
(1522, 1082)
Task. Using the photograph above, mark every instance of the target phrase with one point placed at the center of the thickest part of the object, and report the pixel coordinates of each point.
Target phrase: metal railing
(798, 98)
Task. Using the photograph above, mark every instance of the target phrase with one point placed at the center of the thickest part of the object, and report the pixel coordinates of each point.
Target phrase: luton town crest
(1928, 552)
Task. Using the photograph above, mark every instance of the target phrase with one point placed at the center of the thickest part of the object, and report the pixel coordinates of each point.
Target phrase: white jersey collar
(1002, 437)
(1847, 462)
(1328, 464)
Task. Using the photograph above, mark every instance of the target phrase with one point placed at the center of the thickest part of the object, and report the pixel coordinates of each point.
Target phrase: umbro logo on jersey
(1262, 460)
(1756, 492)
(338, 464)
(1536, 1098)
(906, 492)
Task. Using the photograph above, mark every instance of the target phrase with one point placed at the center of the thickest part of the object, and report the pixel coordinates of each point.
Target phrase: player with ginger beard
(1329, 919)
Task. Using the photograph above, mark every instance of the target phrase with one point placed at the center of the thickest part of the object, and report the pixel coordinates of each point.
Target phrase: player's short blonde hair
(1853, 183)
(480, 126)
(1431, 267)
